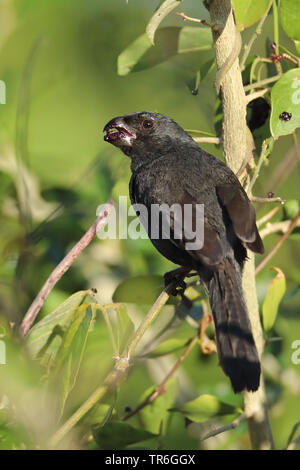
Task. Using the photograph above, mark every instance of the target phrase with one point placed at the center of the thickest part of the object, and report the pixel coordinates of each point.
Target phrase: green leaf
(41, 332)
(291, 208)
(140, 290)
(273, 298)
(157, 412)
(117, 435)
(285, 97)
(248, 12)
(290, 18)
(167, 347)
(69, 356)
(206, 407)
(169, 41)
(165, 8)
(125, 328)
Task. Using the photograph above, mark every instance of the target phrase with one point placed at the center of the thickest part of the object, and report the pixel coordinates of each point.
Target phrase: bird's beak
(118, 133)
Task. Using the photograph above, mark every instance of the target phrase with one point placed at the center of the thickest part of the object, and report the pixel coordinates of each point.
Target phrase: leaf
(248, 12)
(272, 300)
(167, 347)
(291, 208)
(70, 353)
(117, 435)
(170, 41)
(285, 97)
(40, 333)
(156, 412)
(140, 290)
(165, 8)
(290, 18)
(206, 407)
(125, 328)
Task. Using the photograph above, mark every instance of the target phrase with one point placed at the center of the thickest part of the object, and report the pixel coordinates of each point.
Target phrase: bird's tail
(236, 348)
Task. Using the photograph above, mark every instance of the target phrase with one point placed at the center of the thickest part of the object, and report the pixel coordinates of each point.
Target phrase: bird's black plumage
(168, 167)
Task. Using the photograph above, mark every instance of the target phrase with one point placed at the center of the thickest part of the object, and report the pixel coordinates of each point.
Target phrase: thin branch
(291, 443)
(115, 376)
(266, 149)
(62, 267)
(257, 94)
(268, 216)
(256, 33)
(261, 83)
(267, 199)
(161, 388)
(292, 225)
(228, 427)
(197, 20)
(208, 140)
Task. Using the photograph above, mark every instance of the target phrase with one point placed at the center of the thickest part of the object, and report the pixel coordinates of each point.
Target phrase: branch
(208, 140)
(261, 83)
(161, 388)
(256, 33)
(262, 200)
(267, 217)
(115, 376)
(228, 427)
(256, 94)
(62, 267)
(236, 147)
(291, 226)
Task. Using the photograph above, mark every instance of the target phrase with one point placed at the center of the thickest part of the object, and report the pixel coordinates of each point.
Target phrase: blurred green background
(58, 59)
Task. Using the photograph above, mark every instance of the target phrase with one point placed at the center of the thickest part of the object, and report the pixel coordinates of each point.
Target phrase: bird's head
(144, 135)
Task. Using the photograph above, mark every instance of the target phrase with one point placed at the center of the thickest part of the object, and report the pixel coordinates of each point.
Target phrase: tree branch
(235, 149)
(114, 377)
(292, 224)
(62, 267)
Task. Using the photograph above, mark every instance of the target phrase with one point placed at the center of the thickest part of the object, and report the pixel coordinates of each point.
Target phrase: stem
(62, 267)
(261, 83)
(160, 389)
(277, 245)
(257, 32)
(115, 376)
(275, 26)
(235, 149)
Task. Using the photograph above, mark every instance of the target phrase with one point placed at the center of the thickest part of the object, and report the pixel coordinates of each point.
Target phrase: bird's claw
(174, 284)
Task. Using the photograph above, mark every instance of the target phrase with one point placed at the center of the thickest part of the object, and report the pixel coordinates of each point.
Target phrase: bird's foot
(174, 281)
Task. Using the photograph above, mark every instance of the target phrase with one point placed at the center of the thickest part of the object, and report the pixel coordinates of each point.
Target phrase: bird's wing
(242, 215)
(198, 237)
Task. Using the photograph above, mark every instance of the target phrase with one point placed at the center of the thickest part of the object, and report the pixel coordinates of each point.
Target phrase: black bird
(168, 167)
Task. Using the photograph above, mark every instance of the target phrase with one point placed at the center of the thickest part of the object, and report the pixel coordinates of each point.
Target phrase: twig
(208, 140)
(62, 267)
(267, 199)
(261, 83)
(256, 33)
(267, 217)
(236, 146)
(256, 94)
(197, 20)
(161, 388)
(277, 245)
(266, 149)
(291, 439)
(228, 427)
(115, 376)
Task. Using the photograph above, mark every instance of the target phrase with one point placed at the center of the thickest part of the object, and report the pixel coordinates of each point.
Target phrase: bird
(169, 168)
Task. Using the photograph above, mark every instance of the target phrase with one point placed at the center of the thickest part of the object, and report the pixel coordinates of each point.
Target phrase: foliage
(67, 73)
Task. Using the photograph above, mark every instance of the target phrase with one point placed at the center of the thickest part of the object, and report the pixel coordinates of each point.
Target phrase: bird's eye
(147, 124)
